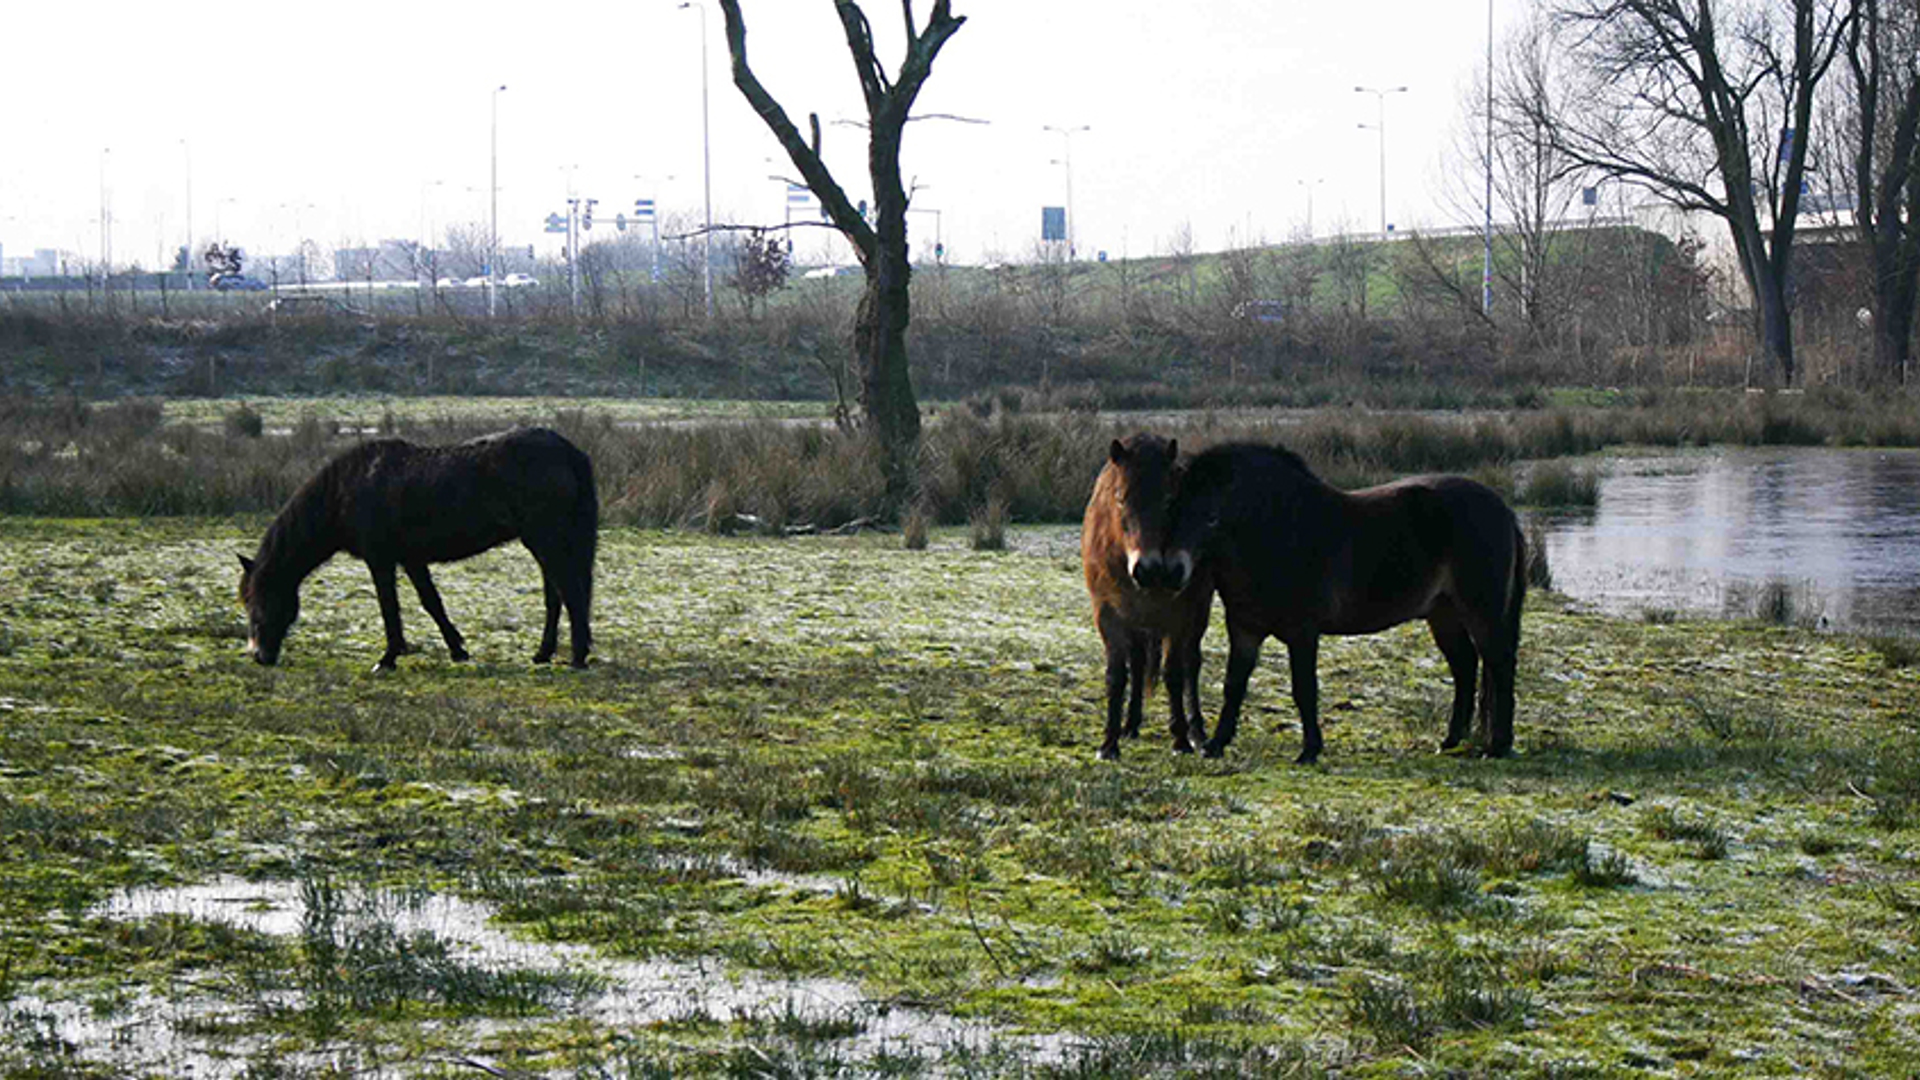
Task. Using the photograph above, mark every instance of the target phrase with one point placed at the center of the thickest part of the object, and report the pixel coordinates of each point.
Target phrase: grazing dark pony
(1141, 604)
(398, 505)
(1296, 559)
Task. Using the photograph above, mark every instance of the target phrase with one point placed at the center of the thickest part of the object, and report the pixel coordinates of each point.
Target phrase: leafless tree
(1536, 187)
(1699, 102)
(1882, 111)
(880, 324)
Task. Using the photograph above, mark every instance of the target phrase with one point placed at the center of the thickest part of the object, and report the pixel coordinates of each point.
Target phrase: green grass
(837, 758)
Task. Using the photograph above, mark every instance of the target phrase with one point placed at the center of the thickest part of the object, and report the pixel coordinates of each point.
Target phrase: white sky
(355, 120)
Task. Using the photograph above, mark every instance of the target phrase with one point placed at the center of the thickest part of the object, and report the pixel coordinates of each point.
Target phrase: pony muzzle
(1153, 570)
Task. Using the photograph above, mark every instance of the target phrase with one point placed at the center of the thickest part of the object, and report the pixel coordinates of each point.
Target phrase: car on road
(238, 283)
(1261, 311)
(513, 281)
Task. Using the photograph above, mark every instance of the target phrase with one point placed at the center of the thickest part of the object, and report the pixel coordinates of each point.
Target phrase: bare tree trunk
(880, 326)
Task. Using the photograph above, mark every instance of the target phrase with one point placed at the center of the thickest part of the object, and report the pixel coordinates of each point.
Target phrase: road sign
(556, 223)
(1053, 223)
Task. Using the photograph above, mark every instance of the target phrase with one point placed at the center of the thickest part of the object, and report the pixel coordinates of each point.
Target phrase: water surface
(1834, 534)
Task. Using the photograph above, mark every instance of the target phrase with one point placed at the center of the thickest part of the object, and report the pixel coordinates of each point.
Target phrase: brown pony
(1295, 559)
(398, 505)
(1141, 604)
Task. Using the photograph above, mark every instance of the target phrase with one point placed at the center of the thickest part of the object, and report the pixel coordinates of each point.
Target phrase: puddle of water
(137, 1030)
(1823, 533)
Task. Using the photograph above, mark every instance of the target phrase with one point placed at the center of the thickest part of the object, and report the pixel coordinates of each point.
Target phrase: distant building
(44, 262)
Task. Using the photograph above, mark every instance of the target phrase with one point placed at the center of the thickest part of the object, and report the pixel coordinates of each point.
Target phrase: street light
(186, 148)
(1380, 97)
(939, 245)
(106, 222)
(1066, 159)
(493, 188)
(1486, 265)
(1317, 181)
(706, 155)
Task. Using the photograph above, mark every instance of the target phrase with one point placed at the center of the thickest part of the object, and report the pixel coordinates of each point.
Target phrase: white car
(516, 280)
(447, 283)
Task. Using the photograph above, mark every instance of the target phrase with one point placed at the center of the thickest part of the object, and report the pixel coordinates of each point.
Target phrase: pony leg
(385, 586)
(1303, 662)
(1181, 675)
(550, 635)
(1500, 678)
(1196, 724)
(1139, 645)
(1499, 645)
(577, 592)
(1118, 641)
(430, 599)
(1463, 660)
(1243, 652)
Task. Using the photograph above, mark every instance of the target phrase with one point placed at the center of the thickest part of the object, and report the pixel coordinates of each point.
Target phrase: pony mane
(300, 537)
(1217, 464)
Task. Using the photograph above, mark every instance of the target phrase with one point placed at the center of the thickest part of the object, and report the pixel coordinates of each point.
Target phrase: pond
(1820, 537)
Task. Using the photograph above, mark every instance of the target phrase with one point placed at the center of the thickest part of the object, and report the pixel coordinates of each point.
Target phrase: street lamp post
(493, 189)
(1380, 98)
(1486, 265)
(1066, 160)
(106, 224)
(1309, 186)
(186, 148)
(706, 156)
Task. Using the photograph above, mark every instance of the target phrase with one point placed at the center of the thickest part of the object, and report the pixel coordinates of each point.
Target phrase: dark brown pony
(1141, 604)
(398, 505)
(1296, 559)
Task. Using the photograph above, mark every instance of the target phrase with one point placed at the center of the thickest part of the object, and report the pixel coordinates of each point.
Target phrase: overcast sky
(355, 120)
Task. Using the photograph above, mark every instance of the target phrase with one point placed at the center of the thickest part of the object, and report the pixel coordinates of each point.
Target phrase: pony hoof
(1306, 758)
(1183, 747)
(543, 658)
(1110, 753)
(578, 664)
(458, 656)
(1213, 750)
(385, 667)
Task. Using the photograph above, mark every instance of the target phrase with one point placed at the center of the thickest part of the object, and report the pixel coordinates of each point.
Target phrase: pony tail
(586, 515)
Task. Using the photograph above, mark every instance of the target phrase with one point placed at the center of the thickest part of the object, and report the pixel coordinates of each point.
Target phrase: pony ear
(1117, 453)
(246, 564)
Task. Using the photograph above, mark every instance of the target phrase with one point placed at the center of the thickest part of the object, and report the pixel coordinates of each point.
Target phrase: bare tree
(1707, 117)
(1885, 133)
(880, 324)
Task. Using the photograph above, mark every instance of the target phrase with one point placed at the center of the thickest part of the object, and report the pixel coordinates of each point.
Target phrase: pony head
(1142, 469)
(270, 614)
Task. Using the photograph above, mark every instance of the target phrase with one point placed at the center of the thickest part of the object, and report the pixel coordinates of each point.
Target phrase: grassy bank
(138, 457)
(820, 763)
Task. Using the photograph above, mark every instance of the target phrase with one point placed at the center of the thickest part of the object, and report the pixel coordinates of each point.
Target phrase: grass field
(826, 806)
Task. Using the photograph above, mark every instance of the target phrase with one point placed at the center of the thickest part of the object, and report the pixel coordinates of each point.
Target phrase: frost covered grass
(835, 759)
